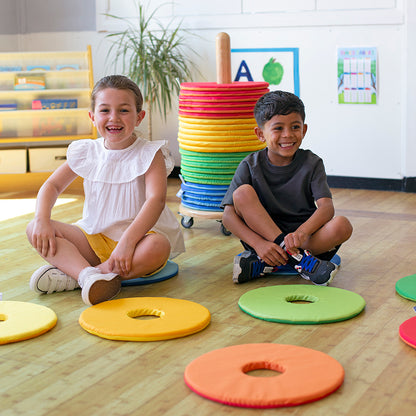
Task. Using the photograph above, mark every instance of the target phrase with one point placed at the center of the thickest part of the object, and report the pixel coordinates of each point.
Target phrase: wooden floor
(68, 371)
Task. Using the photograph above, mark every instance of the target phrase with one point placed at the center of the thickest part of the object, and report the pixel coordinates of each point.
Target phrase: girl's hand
(44, 237)
(120, 261)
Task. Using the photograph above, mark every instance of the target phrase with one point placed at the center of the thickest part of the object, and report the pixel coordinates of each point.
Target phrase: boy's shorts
(103, 246)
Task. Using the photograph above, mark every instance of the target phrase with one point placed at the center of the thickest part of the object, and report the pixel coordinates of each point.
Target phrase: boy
(279, 203)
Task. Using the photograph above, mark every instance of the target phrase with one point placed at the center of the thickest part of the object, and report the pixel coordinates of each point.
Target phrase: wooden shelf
(24, 128)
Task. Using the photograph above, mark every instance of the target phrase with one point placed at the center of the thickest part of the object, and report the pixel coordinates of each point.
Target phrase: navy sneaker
(247, 266)
(319, 272)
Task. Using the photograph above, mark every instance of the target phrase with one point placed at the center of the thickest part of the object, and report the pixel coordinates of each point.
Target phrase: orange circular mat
(304, 375)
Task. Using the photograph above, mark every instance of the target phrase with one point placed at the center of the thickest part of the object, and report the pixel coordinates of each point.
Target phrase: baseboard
(376, 184)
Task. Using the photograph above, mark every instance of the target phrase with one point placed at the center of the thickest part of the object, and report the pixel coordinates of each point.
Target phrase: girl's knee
(158, 244)
(29, 230)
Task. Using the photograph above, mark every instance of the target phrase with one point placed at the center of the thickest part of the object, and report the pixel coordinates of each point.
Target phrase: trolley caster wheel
(224, 230)
(187, 222)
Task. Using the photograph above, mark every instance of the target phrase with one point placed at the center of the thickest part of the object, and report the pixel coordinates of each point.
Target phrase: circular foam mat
(170, 270)
(197, 138)
(213, 86)
(201, 188)
(208, 175)
(306, 375)
(407, 332)
(230, 148)
(210, 96)
(220, 124)
(202, 207)
(215, 95)
(406, 287)
(23, 320)
(208, 115)
(213, 157)
(189, 132)
(209, 100)
(282, 304)
(119, 319)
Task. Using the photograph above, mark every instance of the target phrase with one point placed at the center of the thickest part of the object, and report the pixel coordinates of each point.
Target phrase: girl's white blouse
(114, 188)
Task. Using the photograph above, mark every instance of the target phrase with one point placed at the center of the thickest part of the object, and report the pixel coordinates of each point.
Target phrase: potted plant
(153, 57)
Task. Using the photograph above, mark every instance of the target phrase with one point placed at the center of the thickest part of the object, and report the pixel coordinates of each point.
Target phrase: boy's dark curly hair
(277, 102)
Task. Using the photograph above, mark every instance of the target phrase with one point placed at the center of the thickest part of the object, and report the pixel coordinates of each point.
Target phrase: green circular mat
(406, 287)
(215, 170)
(211, 156)
(281, 304)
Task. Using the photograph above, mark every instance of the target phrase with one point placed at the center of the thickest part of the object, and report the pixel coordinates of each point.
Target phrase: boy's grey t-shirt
(288, 193)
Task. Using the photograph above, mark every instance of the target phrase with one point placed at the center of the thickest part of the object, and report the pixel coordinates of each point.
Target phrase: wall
(355, 141)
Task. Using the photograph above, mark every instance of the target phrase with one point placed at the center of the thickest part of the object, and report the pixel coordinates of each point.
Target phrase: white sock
(88, 271)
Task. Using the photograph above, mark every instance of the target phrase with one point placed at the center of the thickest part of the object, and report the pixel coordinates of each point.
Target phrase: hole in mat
(263, 369)
(299, 299)
(145, 314)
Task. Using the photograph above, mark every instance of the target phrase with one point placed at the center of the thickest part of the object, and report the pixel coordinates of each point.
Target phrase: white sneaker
(98, 287)
(48, 279)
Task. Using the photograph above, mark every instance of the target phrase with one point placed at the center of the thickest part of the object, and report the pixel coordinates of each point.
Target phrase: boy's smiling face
(283, 135)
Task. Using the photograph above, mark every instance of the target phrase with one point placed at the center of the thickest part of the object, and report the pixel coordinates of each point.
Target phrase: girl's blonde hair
(119, 82)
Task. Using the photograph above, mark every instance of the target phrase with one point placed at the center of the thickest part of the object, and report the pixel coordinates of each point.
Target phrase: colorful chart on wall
(357, 75)
(277, 66)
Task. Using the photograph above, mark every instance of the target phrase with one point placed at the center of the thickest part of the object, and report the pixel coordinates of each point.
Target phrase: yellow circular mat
(24, 320)
(234, 147)
(145, 319)
(219, 123)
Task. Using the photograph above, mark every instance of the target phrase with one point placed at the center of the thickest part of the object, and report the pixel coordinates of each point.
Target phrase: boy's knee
(243, 194)
(344, 226)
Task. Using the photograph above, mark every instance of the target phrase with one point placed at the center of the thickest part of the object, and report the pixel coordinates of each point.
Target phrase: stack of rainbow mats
(216, 132)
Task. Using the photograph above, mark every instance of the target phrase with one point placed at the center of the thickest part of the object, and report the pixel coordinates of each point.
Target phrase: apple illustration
(273, 72)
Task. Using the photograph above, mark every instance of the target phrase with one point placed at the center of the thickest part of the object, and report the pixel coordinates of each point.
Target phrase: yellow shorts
(103, 246)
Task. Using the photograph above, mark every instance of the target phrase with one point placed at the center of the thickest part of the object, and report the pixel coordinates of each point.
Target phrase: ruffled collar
(91, 160)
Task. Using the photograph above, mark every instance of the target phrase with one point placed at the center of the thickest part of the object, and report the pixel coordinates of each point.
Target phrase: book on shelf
(29, 82)
(54, 104)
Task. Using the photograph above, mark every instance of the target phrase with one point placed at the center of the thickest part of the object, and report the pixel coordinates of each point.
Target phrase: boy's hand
(295, 240)
(271, 253)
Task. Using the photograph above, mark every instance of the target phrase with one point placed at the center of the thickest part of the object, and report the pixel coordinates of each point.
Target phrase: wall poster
(357, 75)
(277, 66)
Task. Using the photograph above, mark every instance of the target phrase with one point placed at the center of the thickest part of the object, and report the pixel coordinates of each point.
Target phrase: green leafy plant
(155, 57)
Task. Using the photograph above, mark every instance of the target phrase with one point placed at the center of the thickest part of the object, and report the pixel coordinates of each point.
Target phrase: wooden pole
(223, 56)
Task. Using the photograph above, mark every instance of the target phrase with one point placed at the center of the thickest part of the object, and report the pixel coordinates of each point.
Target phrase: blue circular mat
(170, 270)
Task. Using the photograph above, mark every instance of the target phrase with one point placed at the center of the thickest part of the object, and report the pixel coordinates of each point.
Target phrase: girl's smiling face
(283, 135)
(115, 116)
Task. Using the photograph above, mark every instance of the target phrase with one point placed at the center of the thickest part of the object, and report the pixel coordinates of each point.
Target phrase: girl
(126, 229)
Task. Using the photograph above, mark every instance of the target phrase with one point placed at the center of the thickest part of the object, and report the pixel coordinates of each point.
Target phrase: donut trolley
(216, 132)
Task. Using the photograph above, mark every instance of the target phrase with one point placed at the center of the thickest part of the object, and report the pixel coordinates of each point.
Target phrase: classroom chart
(357, 75)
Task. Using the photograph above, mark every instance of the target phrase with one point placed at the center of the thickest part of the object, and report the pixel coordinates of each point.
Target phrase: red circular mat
(213, 86)
(407, 332)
